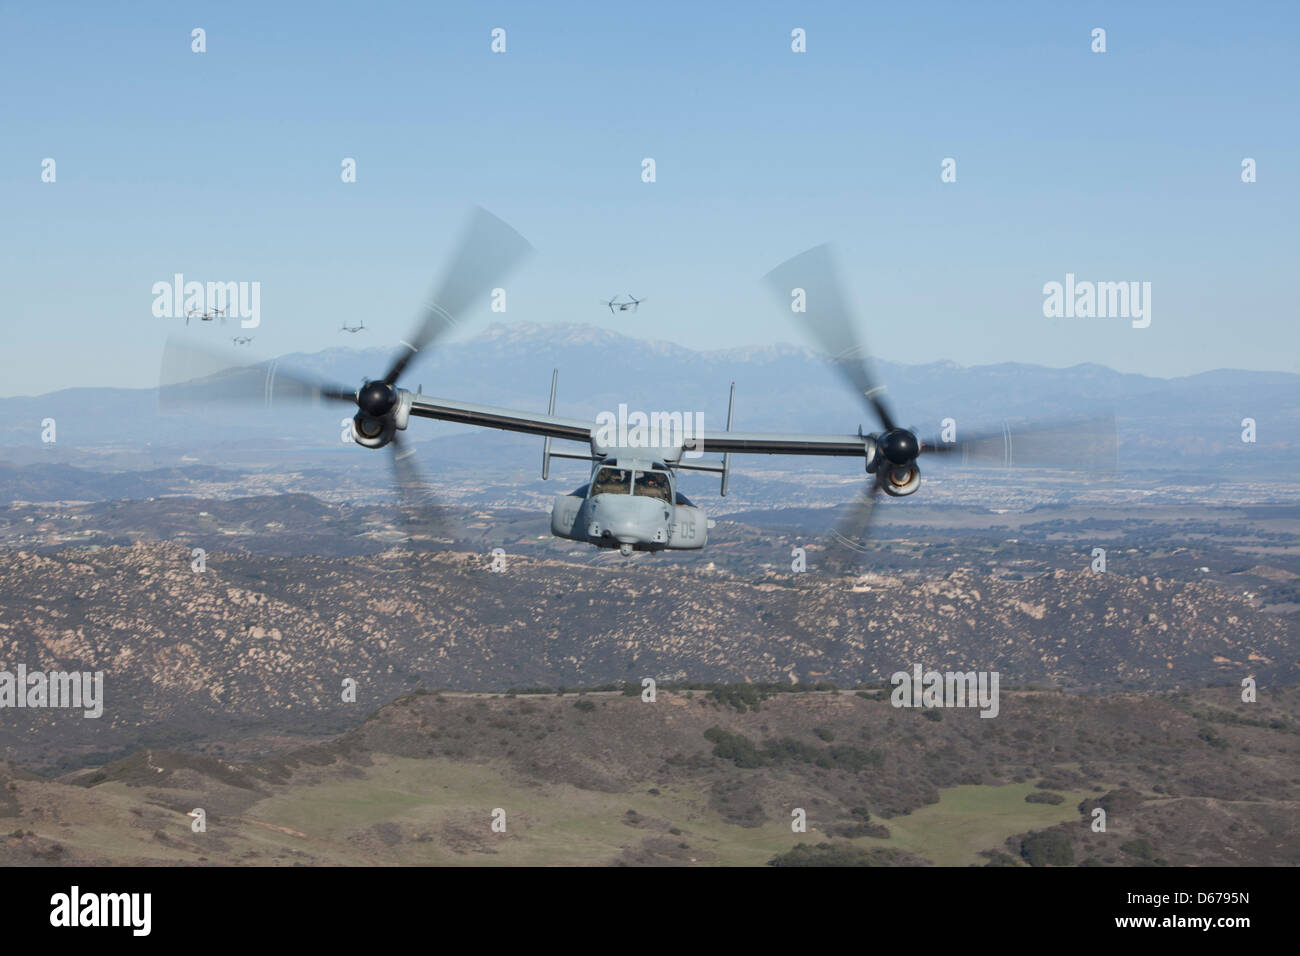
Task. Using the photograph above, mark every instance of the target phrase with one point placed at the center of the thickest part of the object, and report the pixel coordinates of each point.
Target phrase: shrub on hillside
(1047, 848)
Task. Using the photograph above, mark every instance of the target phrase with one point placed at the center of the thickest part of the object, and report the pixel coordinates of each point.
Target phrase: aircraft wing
(770, 443)
(574, 429)
(507, 419)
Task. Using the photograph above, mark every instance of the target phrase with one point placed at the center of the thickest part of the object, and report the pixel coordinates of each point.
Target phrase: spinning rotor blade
(1088, 445)
(487, 251)
(420, 516)
(190, 375)
(829, 320)
(420, 508)
(848, 541)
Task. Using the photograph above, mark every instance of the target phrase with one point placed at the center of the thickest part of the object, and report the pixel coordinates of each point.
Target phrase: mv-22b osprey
(631, 501)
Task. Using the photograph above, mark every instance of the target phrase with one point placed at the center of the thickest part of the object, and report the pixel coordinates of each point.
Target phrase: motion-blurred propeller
(808, 286)
(1088, 445)
(487, 251)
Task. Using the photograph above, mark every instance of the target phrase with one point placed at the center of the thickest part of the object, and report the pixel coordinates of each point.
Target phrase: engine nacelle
(899, 482)
(372, 432)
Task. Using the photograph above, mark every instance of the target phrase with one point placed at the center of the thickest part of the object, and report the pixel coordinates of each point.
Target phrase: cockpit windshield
(653, 484)
(612, 481)
(623, 481)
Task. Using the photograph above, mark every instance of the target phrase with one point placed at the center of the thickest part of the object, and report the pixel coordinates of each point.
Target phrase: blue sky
(225, 166)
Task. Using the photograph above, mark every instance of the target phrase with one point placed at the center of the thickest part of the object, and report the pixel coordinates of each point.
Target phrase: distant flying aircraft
(242, 339)
(628, 305)
(353, 328)
(205, 316)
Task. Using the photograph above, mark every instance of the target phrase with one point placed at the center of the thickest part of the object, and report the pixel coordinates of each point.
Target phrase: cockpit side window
(612, 481)
(653, 484)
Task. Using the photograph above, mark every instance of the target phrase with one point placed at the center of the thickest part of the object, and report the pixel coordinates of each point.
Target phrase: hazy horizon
(253, 356)
(1123, 166)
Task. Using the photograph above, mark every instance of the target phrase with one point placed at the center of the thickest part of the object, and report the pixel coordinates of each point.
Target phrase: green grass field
(563, 825)
(439, 811)
(973, 818)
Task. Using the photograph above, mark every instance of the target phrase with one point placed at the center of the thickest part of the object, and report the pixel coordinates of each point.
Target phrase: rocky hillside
(257, 639)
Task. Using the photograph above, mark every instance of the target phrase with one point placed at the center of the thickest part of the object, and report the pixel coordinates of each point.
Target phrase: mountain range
(1193, 422)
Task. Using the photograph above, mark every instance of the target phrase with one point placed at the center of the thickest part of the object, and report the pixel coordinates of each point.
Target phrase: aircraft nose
(632, 519)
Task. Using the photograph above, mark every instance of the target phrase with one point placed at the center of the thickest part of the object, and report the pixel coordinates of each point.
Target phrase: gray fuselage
(630, 504)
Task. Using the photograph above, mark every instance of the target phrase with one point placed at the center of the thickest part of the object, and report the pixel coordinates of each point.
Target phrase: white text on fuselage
(660, 430)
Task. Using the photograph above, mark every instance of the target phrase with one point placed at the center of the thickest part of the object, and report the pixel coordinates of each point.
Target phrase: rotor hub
(899, 446)
(377, 399)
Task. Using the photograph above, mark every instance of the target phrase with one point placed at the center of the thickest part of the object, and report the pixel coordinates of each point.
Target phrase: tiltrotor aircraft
(206, 315)
(631, 501)
(629, 304)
